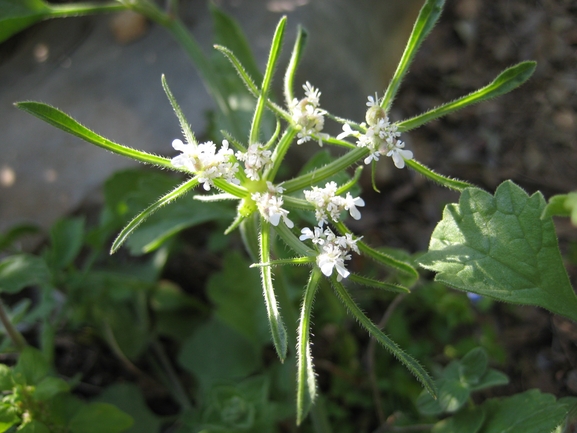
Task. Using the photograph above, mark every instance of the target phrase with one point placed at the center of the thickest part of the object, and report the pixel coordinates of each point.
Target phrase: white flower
(348, 131)
(373, 102)
(399, 154)
(333, 250)
(270, 204)
(351, 203)
(329, 205)
(256, 159)
(206, 162)
(308, 117)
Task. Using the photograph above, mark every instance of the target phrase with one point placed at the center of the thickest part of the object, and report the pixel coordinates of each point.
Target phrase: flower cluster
(308, 116)
(381, 137)
(334, 250)
(270, 204)
(206, 162)
(256, 159)
(329, 205)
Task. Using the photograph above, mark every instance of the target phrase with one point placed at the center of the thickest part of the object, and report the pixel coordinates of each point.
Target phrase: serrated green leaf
(498, 246)
(528, 412)
(468, 420)
(63, 121)
(17, 15)
(100, 417)
(473, 366)
(22, 270)
(509, 79)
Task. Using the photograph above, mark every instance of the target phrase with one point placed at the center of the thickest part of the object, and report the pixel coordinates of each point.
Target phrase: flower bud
(374, 114)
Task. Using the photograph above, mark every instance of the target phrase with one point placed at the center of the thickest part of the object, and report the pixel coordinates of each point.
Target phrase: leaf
(63, 121)
(468, 420)
(306, 380)
(235, 292)
(275, 320)
(498, 246)
(296, 55)
(528, 412)
(31, 367)
(128, 398)
(473, 366)
(509, 79)
(49, 387)
(66, 239)
(22, 270)
(428, 16)
(184, 125)
(562, 205)
(34, 426)
(17, 15)
(8, 417)
(490, 379)
(100, 417)
(216, 353)
(180, 190)
(409, 362)
(16, 232)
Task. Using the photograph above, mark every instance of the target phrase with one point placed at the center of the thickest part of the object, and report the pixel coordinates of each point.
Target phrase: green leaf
(452, 395)
(100, 417)
(498, 246)
(296, 55)
(49, 387)
(528, 412)
(6, 380)
(216, 353)
(447, 182)
(490, 379)
(369, 282)
(184, 125)
(468, 420)
(412, 365)
(63, 121)
(31, 367)
(128, 398)
(273, 57)
(66, 239)
(235, 291)
(182, 189)
(473, 366)
(16, 232)
(8, 416)
(17, 15)
(22, 270)
(34, 426)
(562, 205)
(275, 320)
(306, 380)
(428, 16)
(509, 79)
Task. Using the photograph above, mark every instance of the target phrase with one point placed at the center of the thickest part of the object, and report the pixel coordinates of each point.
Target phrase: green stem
(338, 165)
(280, 152)
(78, 9)
(15, 335)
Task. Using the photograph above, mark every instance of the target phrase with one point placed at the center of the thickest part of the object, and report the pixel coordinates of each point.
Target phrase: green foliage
(498, 246)
(562, 205)
(16, 15)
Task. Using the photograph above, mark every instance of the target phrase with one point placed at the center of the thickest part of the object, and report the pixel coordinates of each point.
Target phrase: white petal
(274, 219)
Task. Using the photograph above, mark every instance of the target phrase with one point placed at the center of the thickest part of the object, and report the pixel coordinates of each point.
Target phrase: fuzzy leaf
(63, 121)
(498, 246)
